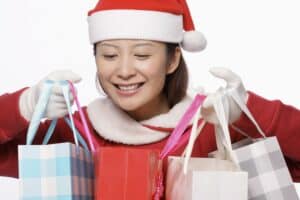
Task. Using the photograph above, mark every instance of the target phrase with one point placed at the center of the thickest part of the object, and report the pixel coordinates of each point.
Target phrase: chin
(129, 106)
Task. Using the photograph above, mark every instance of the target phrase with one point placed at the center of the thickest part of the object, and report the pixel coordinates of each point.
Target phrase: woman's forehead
(130, 42)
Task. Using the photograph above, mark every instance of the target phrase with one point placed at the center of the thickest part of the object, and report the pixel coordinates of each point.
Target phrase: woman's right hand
(56, 106)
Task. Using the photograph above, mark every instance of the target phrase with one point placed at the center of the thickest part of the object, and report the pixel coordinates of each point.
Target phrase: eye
(109, 56)
(142, 56)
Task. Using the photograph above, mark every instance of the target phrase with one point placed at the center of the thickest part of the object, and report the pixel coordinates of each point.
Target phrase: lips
(129, 87)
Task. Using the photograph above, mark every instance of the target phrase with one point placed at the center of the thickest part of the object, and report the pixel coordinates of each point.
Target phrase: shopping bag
(54, 171)
(269, 178)
(9, 188)
(126, 173)
(192, 178)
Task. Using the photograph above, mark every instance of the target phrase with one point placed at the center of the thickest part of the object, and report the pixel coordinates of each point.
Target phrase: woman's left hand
(233, 82)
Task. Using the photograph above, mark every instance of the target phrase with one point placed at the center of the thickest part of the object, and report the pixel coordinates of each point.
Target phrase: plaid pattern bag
(269, 178)
(55, 171)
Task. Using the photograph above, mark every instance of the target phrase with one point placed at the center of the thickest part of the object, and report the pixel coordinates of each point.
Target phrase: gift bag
(54, 171)
(9, 188)
(269, 178)
(126, 173)
(192, 178)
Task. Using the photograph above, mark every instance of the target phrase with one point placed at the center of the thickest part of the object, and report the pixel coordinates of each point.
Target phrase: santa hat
(159, 20)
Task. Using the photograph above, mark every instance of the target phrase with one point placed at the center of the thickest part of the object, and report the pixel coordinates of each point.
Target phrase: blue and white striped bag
(63, 171)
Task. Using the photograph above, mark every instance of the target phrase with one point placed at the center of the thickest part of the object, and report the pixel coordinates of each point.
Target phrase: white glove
(234, 82)
(56, 106)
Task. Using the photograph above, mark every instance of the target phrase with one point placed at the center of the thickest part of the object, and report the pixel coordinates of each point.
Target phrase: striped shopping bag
(55, 171)
(268, 175)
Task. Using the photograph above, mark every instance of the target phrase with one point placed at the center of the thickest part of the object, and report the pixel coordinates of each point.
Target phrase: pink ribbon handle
(177, 138)
(177, 133)
(83, 118)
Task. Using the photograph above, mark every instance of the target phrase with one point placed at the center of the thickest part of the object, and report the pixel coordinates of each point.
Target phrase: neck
(156, 107)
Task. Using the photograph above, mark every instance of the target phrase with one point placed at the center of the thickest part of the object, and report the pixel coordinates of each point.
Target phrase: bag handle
(182, 125)
(221, 107)
(176, 138)
(222, 146)
(66, 85)
(65, 88)
(40, 110)
(236, 97)
(51, 130)
(194, 135)
(83, 117)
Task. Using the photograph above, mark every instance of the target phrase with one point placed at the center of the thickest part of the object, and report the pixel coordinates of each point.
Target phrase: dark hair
(176, 83)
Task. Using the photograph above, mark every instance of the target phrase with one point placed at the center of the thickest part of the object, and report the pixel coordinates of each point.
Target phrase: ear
(173, 63)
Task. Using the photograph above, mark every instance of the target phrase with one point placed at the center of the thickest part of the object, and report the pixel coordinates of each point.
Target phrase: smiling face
(133, 74)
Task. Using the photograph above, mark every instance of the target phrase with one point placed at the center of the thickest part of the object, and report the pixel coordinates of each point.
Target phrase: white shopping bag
(9, 188)
(205, 178)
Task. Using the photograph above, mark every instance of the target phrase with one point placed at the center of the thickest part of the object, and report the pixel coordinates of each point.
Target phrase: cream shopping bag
(191, 178)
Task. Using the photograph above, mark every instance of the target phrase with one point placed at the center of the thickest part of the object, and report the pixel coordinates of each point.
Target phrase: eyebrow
(136, 45)
(107, 44)
(143, 44)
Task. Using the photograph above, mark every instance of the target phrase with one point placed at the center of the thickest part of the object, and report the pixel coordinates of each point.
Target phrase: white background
(259, 40)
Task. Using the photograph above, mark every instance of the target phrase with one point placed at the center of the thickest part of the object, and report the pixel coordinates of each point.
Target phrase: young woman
(140, 67)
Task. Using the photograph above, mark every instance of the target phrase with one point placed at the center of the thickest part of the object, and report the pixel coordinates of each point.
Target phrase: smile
(129, 89)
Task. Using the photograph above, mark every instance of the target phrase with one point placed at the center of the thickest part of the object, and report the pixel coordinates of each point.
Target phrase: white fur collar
(115, 125)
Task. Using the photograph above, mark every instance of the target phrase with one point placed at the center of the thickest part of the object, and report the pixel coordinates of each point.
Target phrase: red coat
(274, 118)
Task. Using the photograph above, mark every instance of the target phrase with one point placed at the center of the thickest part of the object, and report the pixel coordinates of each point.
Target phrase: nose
(126, 68)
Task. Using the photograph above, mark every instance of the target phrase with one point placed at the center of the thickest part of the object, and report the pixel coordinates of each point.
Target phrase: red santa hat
(159, 20)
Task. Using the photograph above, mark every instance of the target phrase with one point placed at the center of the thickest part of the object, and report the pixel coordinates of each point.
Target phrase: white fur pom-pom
(193, 41)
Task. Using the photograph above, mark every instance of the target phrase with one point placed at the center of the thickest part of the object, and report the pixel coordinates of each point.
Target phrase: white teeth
(128, 87)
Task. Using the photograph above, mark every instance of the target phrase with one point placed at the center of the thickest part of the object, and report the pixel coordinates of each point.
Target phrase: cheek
(104, 70)
(155, 74)
(156, 69)
(104, 73)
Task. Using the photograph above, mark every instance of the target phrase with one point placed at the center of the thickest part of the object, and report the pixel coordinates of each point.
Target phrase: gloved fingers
(232, 79)
(208, 102)
(64, 75)
(56, 105)
(209, 115)
(57, 91)
(207, 110)
(58, 99)
(53, 114)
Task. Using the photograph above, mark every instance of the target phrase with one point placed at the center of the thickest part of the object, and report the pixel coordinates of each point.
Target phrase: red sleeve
(276, 119)
(11, 121)
(13, 126)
